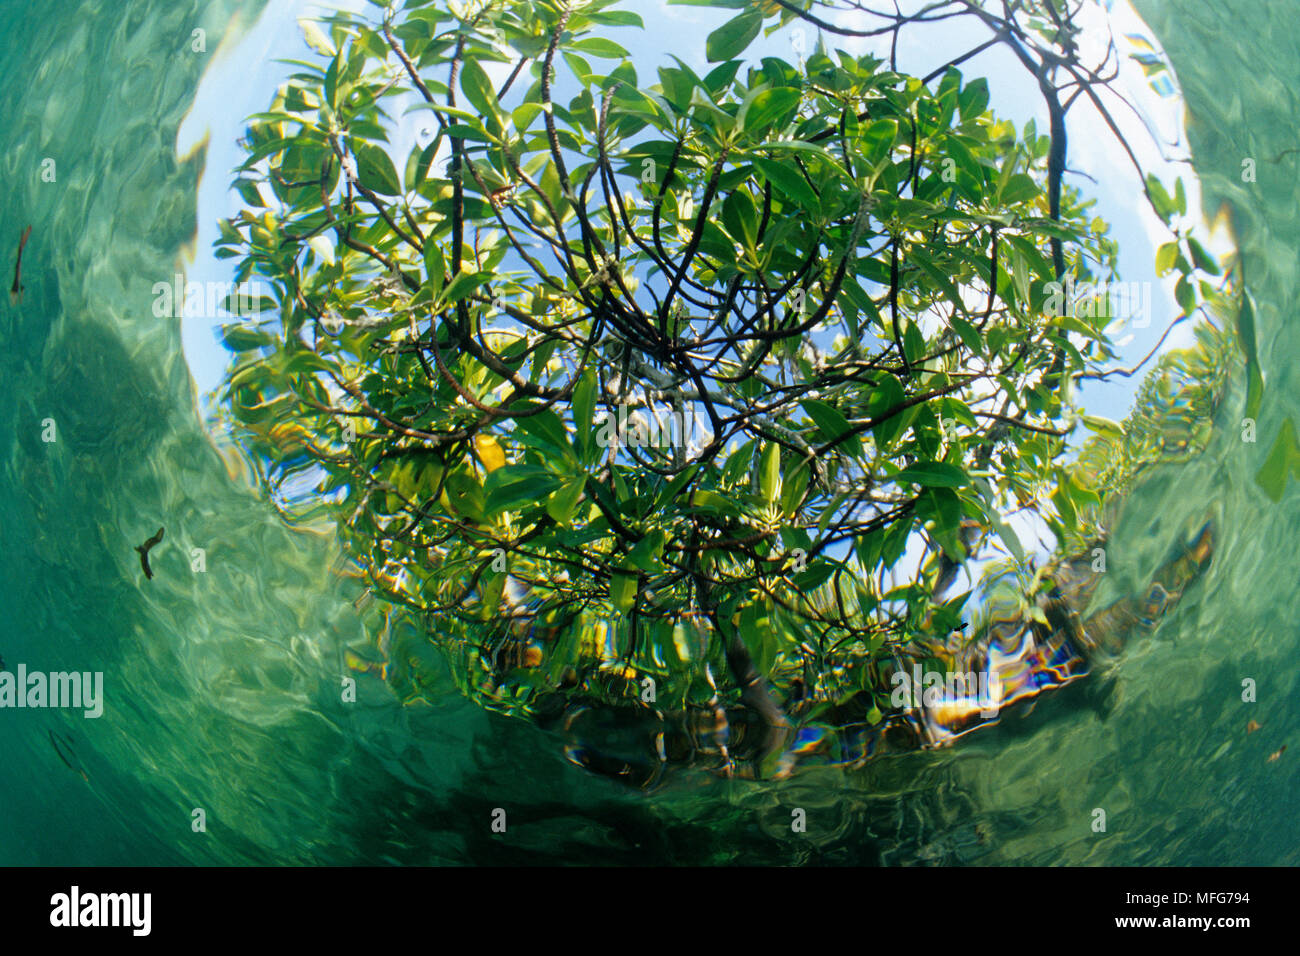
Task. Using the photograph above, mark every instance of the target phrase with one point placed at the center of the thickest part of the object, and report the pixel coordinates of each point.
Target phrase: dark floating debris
(144, 553)
(16, 290)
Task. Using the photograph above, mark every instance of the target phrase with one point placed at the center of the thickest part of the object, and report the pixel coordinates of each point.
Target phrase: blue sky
(242, 77)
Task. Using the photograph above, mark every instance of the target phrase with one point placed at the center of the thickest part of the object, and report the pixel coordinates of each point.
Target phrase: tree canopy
(614, 377)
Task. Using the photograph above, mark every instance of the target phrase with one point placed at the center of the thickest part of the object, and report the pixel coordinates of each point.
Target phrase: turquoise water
(223, 686)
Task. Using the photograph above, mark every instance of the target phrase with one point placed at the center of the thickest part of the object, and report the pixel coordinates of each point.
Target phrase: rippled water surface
(222, 687)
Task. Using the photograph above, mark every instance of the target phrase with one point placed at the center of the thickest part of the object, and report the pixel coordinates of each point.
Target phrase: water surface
(223, 686)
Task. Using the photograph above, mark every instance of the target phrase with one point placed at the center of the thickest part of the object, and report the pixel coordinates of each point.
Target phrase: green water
(223, 687)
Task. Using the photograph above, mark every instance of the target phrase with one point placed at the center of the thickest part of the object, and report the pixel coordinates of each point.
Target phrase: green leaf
(878, 139)
(463, 284)
(974, 99)
(793, 487)
(1063, 500)
(887, 395)
(814, 576)
(600, 47)
(741, 218)
(584, 404)
(375, 170)
(788, 184)
(622, 591)
(1283, 461)
(478, 89)
(247, 190)
(1246, 336)
(562, 502)
(1254, 391)
(1203, 260)
(1020, 276)
(491, 589)
(770, 472)
(1019, 188)
(524, 114)
(434, 266)
(237, 304)
(240, 338)
(800, 146)
(467, 131)
(765, 107)
(933, 474)
(712, 501)
(1103, 426)
(511, 486)
(913, 342)
(721, 77)
(674, 488)
(831, 424)
(545, 426)
(330, 83)
(969, 335)
(944, 508)
(615, 18)
(316, 38)
(1185, 293)
(580, 67)
(646, 553)
(940, 279)
(1164, 206)
(466, 494)
(1165, 257)
(733, 36)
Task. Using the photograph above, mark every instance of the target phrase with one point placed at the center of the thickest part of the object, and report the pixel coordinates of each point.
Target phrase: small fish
(144, 553)
(1252, 727)
(1276, 754)
(16, 290)
(55, 744)
(67, 742)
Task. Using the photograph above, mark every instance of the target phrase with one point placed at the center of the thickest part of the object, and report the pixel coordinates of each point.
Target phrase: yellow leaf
(316, 38)
(489, 452)
(323, 248)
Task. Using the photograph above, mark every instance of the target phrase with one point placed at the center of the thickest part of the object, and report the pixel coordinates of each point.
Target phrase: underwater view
(650, 433)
